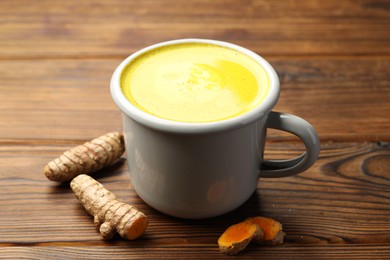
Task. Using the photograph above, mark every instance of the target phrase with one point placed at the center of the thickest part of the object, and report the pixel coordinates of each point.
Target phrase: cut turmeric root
(262, 230)
(86, 158)
(110, 215)
(238, 236)
(273, 232)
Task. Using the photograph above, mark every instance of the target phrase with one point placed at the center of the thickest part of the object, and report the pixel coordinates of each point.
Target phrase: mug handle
(300, 128)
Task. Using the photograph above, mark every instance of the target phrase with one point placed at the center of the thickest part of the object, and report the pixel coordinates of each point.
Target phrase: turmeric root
(273, 232)
(86, 158)
(238, 236)
(262, 230)
(110, 215)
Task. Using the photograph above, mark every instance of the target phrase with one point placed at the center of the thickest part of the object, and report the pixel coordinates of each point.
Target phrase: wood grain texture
(56, 61)
(345, 99)
(115, 28)
(197, 252)
(343, 199)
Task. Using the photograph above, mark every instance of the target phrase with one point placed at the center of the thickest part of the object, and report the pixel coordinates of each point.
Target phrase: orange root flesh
(273, 231)
(238, 236)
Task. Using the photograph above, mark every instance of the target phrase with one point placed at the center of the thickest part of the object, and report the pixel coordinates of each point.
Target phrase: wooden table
(56, 60)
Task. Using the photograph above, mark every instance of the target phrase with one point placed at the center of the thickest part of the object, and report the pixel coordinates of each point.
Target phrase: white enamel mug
(202, 170)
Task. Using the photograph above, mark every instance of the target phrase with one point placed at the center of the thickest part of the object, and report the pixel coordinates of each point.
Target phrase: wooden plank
(56, 60)
(345, 99)
(65, 99)
(342, 199)
(59, 100)
(197, 252)
(116, 28)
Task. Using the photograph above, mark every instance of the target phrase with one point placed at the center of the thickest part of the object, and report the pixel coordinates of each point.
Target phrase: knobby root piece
(110, 215)
(238, 236)
(273, 231)
(86, 158)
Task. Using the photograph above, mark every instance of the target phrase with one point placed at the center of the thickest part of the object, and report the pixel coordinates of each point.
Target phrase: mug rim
(167, 125)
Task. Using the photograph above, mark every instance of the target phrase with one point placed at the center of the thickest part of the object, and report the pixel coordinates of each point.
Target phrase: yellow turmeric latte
(194, 82)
